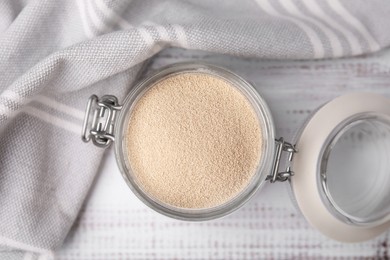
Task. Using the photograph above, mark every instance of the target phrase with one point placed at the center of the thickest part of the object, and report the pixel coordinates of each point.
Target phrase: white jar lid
(306, 165)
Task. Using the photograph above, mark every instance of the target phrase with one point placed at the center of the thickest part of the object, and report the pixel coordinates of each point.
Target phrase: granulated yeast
(193, 141)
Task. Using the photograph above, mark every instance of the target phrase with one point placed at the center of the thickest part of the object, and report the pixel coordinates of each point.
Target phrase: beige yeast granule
(193, 141)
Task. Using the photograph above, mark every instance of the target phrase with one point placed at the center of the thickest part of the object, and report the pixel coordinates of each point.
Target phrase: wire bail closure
(101, 129)
(282, 146)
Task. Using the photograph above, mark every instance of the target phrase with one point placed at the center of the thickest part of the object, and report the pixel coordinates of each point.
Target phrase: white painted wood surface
(114, 224)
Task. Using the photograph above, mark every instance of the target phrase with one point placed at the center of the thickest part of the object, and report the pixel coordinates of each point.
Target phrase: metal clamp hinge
(101, 128)
(282, 146)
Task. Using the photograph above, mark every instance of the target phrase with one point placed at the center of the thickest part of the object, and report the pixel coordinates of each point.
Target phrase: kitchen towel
(55, 54)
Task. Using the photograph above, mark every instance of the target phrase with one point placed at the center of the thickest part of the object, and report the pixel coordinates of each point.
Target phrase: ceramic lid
(308, 182)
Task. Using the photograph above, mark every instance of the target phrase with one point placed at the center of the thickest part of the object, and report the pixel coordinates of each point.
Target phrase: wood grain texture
(114, 224)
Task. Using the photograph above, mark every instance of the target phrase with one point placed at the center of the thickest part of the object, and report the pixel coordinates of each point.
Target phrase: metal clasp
(282, 146)
(101, 129)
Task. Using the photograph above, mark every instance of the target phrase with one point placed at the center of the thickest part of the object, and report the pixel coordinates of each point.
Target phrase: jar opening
(355, 170)
(177, 211)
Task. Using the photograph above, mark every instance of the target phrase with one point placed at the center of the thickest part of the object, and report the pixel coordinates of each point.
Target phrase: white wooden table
(114, 224)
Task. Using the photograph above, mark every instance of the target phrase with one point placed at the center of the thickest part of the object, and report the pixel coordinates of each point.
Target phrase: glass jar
(316, 157)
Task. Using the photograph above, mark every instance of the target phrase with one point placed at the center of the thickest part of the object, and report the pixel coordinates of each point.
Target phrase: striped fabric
(55, 54)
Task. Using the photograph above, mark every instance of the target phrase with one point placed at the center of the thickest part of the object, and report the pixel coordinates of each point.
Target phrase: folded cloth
(55, 54)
